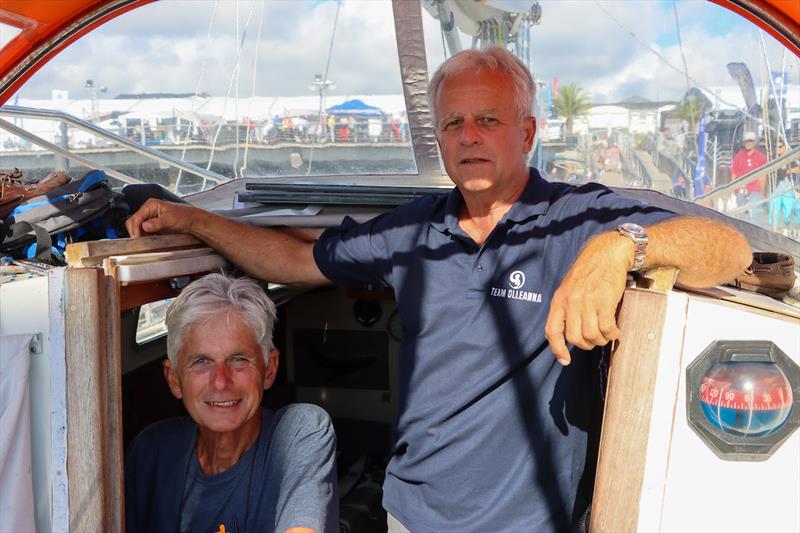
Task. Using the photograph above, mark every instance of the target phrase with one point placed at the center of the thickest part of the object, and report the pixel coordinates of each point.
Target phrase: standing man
(492, 280)
(746, 160)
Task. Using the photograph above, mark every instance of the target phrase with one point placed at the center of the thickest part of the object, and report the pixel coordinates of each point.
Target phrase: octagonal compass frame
(725, 445)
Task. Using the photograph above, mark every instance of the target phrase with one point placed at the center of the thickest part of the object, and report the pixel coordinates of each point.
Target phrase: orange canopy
(48, 26)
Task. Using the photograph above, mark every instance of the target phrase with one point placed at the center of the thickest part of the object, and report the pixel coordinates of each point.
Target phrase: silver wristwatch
(638, 235)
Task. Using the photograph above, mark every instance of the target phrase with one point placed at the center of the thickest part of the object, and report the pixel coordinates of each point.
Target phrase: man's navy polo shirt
(492, 431)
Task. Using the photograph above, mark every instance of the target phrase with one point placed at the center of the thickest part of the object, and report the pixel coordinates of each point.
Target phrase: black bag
(81, 210)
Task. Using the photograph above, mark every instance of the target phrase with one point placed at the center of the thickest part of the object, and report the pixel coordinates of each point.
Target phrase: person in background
(679, 184)
(785, 204)
(233, 466)
(745, 161)
(332, 127)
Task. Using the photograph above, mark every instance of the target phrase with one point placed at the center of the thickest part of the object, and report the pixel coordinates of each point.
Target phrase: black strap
(5, 229)
(43, 241)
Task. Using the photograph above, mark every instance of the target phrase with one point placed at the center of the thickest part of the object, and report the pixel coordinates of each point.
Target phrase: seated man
(233, 466)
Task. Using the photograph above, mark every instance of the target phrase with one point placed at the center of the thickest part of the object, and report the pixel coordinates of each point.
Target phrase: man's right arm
(270, 254)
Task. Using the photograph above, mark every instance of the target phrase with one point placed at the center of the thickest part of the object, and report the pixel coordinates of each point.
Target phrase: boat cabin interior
(666, 459)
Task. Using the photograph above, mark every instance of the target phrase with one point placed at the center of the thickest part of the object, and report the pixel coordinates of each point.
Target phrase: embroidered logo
(517, 279)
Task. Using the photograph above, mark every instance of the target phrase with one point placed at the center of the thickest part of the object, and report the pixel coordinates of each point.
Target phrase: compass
(742, 398)
(746, 398)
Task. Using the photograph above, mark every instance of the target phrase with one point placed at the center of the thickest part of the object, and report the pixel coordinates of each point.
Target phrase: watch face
(634, 229)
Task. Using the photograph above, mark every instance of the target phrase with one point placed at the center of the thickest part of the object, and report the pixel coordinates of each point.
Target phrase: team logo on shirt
(516, 280)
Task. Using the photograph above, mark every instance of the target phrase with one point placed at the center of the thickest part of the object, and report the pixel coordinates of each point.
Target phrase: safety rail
(633, 162)
(49, 114)
(726, 190)
(16, 130)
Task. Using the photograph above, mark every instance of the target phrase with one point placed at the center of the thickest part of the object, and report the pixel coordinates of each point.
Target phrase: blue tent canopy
(355, 107)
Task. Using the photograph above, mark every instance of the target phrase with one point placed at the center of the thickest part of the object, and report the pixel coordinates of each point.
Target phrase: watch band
(638, 235)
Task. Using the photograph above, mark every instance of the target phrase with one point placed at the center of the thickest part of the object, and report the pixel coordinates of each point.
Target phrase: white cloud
(164, 46)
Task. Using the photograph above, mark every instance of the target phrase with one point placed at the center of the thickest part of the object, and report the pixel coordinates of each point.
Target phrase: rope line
(253, 90)
(685, 66)
(233, 81)
(324, 82)
(197, 89)
(666, 61)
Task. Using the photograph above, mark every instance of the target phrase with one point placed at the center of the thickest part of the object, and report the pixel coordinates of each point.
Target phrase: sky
(611, 49)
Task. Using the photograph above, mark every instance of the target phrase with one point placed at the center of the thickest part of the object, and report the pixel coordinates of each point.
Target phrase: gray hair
(215, 294)
(493, 58)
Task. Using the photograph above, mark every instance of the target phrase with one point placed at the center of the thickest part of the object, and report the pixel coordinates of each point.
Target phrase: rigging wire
(763, 65)
(253, 91)
(778, 101)
(236, 89)
(233, 79)
(197, 90)
(766, 73)
(666, 61)
(324, 81)
(784, 83)
(685, 66)
(236, 96)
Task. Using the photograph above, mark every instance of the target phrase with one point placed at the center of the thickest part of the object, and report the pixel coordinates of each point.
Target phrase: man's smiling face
(221, 375)
(482, 138)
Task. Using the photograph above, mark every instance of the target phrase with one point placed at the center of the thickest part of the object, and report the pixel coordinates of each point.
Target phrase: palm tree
(571, 102)
(690, 109)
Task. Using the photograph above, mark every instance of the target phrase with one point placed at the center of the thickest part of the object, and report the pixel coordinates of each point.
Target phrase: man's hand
(705, 252)
(285, 257)
(584, 306)
(159, 216)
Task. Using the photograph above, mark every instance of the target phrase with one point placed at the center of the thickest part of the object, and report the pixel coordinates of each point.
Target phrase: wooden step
(92, 253)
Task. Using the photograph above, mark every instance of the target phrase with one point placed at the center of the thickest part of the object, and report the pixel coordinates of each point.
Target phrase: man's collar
(533, 201)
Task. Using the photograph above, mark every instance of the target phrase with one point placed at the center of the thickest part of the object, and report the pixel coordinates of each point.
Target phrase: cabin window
(150, 325)
(243, 89)
(638, 76)
(7, 32)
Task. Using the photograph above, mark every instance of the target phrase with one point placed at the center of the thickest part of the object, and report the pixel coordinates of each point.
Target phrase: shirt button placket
(478, 274)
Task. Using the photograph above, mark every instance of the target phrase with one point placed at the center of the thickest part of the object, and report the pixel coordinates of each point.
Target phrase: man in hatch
(233, 466)
(497, 282)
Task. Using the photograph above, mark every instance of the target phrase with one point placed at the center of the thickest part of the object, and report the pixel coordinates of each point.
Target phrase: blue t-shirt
(491, 432)
(289, 474)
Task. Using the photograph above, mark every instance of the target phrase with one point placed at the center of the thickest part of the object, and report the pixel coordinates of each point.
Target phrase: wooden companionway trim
(104, 278)
(629, 403)
(94, 409)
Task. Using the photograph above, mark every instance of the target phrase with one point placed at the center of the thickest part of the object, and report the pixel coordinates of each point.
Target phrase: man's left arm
(583, 308)
(308, 498)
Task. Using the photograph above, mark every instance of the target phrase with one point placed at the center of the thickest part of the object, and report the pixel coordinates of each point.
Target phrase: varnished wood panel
(93, 468)
(115, 493)
(165, 269)
(626, 422)
(94, 251)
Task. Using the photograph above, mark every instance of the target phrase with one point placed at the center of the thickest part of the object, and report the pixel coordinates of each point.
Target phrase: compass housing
(743, 398)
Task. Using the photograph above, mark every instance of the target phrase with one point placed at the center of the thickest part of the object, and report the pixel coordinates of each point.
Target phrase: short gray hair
(216, 294)
(493, 58)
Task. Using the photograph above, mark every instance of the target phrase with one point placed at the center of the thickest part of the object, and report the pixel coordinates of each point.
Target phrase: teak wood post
(626, 422)
(116, 461)
(94, 437)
